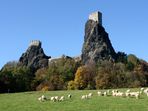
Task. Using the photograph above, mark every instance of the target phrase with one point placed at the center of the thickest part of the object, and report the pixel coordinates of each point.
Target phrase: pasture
(28, 101)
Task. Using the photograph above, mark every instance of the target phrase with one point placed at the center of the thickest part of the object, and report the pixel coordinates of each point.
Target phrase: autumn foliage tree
(84, 77)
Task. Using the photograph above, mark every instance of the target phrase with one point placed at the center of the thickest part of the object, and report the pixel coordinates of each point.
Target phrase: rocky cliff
(34, 57)
(97, 45)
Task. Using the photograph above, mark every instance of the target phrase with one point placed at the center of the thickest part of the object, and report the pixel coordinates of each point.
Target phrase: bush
(71, 85)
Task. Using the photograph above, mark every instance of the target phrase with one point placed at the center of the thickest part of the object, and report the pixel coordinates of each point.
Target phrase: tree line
(68, 74)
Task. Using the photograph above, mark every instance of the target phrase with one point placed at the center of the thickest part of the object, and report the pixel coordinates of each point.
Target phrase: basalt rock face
(34, 57)
(97, 45)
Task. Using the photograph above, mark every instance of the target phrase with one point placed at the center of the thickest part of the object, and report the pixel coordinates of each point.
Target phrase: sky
(59, 25)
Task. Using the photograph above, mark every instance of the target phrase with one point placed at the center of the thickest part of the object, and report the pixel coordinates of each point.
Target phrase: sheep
(127, 94)
(42, 98)
(120, 94)
(135, 94)
(117, 93)
(69, 96)
(84, 96)
(146, 90)
(99, 93)
(142, 89)
(61, 98)
(128, 90)
(89, 95)
(56, 98)
(53, 99)
(114, 92)
(104, 93)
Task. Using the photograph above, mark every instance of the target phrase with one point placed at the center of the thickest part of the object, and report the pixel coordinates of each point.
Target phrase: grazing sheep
(146, 90)
(69, 95)
(89, 95)
(117, 93)
(56, 98)
(104, 93)
(42, 98)
(120, 94)
(99, 93)
(135, 94)
(114, 92)
(84, 97)
(142, 89)
(53, 99)
(128, 90)
(127, 94)
(61, 98)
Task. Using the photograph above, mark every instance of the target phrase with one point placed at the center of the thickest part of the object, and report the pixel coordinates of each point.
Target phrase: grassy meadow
(28, 101)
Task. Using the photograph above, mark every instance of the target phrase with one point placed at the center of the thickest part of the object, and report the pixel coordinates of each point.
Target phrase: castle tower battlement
(96, 16)
(35, 43)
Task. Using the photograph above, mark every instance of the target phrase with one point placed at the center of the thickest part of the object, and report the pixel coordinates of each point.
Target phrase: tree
(71, 85)
(84, 78)
(132, 59)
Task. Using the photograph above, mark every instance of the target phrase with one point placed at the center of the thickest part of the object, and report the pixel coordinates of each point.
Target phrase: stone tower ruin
(35, 43)
(96, 16)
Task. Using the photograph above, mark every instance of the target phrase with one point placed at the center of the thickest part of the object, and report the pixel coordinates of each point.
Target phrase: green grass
(28, 102)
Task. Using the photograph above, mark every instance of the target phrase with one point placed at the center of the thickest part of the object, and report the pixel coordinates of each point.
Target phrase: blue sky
(59, 24)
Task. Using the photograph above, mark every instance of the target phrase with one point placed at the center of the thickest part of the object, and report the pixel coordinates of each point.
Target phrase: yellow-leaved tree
(84, 78)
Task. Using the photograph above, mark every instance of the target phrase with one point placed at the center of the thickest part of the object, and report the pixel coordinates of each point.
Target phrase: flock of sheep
(53, 98)
(128, 93)
(115, 93)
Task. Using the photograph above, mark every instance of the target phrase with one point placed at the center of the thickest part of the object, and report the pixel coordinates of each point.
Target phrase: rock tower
(34, 57)
(96, 46)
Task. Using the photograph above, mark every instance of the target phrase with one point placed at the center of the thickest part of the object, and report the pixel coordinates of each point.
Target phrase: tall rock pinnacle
(34, 57)
(97, 45)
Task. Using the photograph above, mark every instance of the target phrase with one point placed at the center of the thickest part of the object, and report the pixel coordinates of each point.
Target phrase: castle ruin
(35, 43)
(96, 16)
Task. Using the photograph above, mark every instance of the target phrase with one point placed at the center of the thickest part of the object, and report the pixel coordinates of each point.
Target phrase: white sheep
(53, 99)
(135, 94)
(69, 96)
(42, 98)
(99, 93)
(120, 94)
(56, 98)
(114, 92)
(84, 97)
(61, 98)
(89, 95)
(127, 94)
(142, 89)
(146, 90)
(104, 93)
(128, 90)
